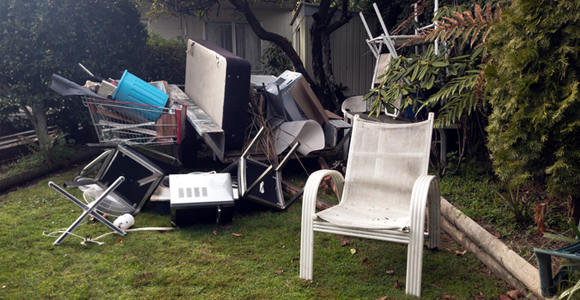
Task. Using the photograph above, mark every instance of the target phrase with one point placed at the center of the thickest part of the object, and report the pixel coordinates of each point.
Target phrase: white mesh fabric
(384, 162)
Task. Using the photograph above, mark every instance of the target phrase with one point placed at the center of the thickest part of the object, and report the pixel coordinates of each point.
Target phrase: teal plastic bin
(135, 90)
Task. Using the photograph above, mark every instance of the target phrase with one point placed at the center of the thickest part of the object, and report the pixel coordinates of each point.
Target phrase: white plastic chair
(385, 195)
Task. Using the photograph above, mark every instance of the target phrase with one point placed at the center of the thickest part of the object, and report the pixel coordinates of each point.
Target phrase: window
(238, 38)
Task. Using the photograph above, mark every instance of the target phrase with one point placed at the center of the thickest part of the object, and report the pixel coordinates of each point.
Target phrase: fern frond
(466, 35)
(488, 15)
(464, 26)
(478, 15)
(476, 34)
(470, 16)
(459, 17)
(484, 38)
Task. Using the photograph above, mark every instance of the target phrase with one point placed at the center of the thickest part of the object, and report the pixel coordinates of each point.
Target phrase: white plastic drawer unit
(192, 190)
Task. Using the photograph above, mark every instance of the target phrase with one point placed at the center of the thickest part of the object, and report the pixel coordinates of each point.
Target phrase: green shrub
(164, 59)
(533, 86)
(274, 61)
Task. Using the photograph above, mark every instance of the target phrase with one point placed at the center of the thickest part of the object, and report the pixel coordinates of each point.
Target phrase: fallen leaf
(294, 259)
(227, 227)
(119, 240)
(352, 251)
(366, 262)
(457, 252)
(214, 233)
(106, 215)
(3, 286)
(236, 234)
(382, 298)
(284, 247)
(46, 216)
(515, 294)
(504, 297)
(390, 272)
(497, 234)
(279, 271)
(397, 285)
(446, 297)
(92, 219)
(72, 210)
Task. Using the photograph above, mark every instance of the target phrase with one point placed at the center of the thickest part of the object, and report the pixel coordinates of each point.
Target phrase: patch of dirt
(523, 244)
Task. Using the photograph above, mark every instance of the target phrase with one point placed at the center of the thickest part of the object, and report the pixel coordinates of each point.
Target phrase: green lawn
(208, 261)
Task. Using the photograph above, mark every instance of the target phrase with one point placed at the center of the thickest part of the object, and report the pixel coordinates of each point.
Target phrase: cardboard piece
(166, 126)
(332, 115)
(308, 102)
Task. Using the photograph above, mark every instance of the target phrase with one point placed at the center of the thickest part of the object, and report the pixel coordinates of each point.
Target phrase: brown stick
(327, 179)
(292, 190)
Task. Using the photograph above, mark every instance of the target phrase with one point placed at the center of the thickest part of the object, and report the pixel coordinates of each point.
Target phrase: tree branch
(279, 40)
(344, 18)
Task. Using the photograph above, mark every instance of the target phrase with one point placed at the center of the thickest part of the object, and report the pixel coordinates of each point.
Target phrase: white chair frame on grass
(384, 196)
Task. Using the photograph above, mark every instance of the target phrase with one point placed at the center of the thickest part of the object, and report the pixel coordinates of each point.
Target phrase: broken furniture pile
(219, 103)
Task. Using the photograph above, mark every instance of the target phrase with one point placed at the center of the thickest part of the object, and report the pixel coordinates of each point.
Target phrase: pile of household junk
(258, 116)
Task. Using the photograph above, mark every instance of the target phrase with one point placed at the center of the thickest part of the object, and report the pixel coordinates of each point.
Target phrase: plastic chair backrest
(384, 161)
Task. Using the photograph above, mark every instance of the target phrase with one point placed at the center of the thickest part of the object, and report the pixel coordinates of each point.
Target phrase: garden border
(21, 178)
(491, 251)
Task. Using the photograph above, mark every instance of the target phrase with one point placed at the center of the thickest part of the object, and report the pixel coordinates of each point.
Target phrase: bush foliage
(164, 59)
(533, 87)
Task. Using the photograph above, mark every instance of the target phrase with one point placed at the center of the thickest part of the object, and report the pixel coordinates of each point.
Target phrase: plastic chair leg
(545, 270)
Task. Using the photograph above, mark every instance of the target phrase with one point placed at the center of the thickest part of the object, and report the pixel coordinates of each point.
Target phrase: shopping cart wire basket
(134, 124)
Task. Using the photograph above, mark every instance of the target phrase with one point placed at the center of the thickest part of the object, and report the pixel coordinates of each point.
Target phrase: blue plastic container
(135, 90)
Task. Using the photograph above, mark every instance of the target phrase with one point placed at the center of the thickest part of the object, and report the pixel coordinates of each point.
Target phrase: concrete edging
(490, 250)
(21, 178)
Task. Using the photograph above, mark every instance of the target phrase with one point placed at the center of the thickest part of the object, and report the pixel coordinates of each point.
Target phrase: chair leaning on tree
(385, 195)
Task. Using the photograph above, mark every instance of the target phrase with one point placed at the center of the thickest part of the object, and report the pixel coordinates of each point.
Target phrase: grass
(208, 261)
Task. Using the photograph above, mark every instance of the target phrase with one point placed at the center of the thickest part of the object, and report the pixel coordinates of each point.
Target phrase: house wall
(352, 61)
(273, 18)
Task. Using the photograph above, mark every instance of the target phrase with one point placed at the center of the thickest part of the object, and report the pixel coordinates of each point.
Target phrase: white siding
(272, 17)
(352, 61)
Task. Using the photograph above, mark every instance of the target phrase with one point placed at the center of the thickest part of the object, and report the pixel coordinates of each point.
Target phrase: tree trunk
(39, 121)
(330, 94)
(277, 39)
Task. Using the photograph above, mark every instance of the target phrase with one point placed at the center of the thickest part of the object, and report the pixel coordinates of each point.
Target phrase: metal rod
(86, 70)
(386, 38)
(253, 141)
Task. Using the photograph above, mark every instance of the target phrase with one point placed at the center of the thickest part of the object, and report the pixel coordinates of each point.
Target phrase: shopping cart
(120, 122)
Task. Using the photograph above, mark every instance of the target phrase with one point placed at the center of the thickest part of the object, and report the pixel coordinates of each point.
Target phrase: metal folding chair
(88, 209)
